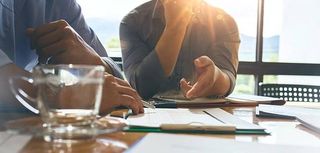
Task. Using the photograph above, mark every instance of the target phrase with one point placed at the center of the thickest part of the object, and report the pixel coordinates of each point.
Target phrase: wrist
(175, 28)
(106, 66)
(222, 83)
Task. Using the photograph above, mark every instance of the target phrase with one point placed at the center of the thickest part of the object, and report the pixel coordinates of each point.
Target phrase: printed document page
(159, 143)
(156, 117)
(206, 117)
(11, 142)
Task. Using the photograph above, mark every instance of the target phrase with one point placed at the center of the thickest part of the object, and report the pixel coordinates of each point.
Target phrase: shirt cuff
(114, 67)
(4, 59)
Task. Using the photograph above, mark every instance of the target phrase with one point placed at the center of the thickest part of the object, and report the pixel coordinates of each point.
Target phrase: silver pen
(148, 104)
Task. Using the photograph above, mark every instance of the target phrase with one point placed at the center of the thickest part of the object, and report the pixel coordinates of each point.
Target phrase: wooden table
(288, 132)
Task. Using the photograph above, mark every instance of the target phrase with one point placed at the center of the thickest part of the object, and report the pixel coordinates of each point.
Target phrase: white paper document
(213, 119)
(289, 111)
(253, 98)
(160, 143)
(230, 119)
(12, 143)
(311, 122)
(308, 117)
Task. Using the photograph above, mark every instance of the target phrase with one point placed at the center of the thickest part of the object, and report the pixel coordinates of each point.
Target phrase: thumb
(203, 61)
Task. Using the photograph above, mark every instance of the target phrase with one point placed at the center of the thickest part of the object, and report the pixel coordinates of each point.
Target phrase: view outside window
(290, 31)
(244, 84)
(104, 17)
(292, 79)
(291, 36)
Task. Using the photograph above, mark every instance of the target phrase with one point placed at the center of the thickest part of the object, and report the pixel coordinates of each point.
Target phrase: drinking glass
(67, 97)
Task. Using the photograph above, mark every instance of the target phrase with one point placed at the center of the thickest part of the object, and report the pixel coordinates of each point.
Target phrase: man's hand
(179, 12)
(58, 43)
(117, 92)
(210, 80)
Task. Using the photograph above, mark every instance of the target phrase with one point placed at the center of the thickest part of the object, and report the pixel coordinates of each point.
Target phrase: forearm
(168, 47)
(105, 64)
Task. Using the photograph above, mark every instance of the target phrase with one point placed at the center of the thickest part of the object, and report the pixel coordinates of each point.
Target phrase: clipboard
(231, 101)
(200, 121)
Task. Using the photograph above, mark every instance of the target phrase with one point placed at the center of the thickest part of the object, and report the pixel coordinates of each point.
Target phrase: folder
(306, 116)
(209, 121)
(231, 101)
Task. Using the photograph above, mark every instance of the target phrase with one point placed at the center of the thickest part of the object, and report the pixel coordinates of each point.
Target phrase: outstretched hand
(206, 78)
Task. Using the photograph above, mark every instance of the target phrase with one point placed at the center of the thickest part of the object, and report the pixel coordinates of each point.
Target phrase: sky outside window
(291, 32)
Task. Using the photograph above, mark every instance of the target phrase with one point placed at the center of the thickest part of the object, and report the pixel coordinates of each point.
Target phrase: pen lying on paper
(147, 104)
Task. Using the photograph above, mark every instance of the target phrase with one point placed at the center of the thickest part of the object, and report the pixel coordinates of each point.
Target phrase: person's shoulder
(140, 11)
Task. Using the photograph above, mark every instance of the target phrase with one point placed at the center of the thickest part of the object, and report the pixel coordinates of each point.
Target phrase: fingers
(47, 28)
(109, 78)
(123, 95)
(204, 82)
(122, 82)
(128, 91)
(185, 86)
(125, 90)
(51, 39)
(52, 50)
(197, 90)
(130, 102)
(126, 84)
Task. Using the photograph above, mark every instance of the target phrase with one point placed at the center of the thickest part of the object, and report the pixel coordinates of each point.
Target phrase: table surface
(283, 131)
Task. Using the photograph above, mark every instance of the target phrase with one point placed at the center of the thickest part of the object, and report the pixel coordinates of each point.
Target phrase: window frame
(260, 68)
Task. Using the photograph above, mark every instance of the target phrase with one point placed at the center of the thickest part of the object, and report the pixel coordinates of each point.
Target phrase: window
(292, 79)
(104, 17)
(244, 84)
(291, 32)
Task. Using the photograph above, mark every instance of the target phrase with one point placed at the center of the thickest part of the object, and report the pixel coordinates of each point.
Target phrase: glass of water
(67, 98)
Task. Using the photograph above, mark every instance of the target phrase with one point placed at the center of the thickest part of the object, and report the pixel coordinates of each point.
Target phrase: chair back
(291, 92)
